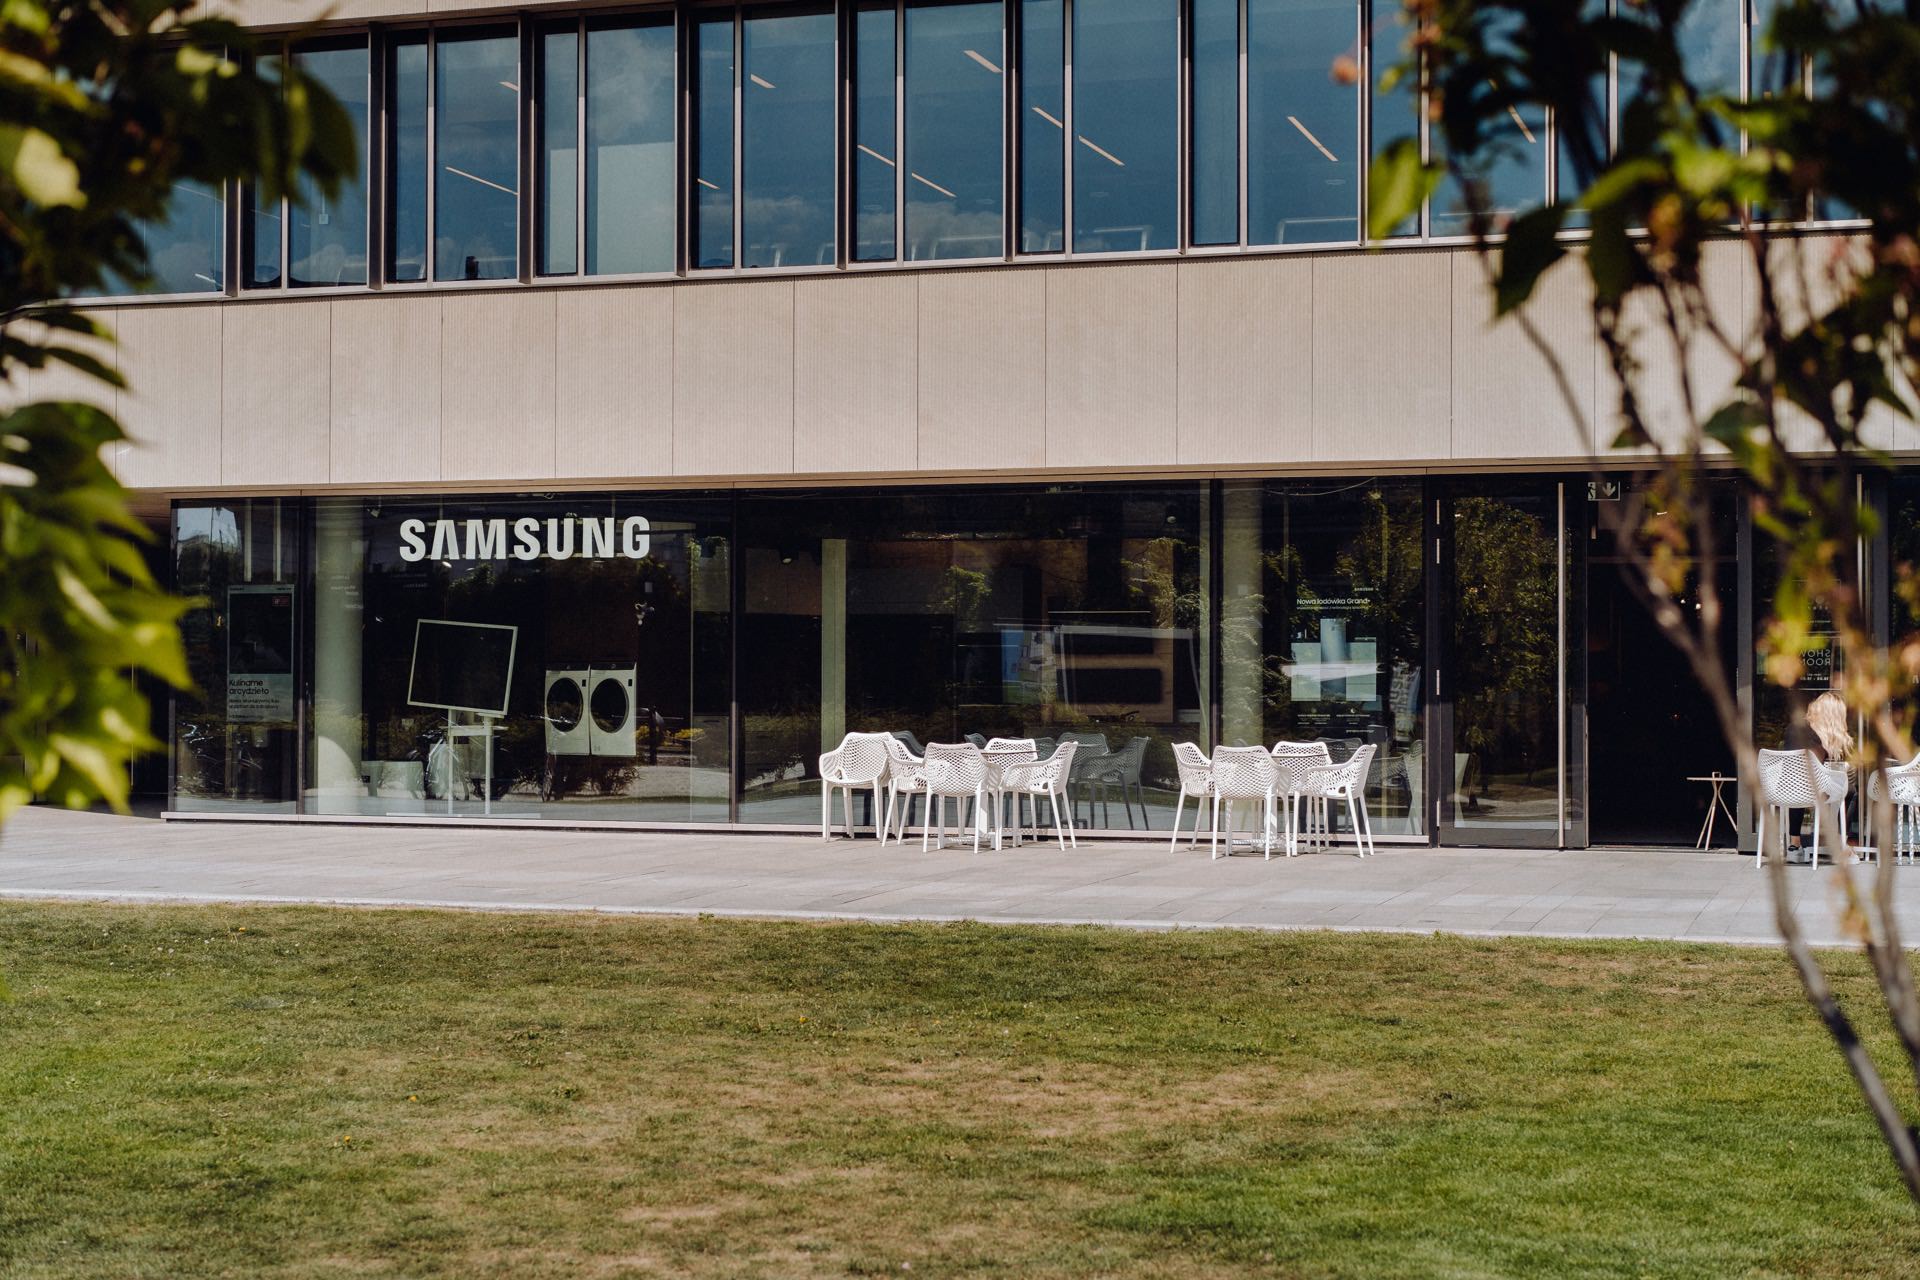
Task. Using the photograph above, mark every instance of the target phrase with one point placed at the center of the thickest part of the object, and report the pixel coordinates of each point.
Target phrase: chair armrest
(830, 763)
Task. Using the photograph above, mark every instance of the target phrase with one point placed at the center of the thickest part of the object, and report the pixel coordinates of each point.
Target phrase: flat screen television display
(462, 666)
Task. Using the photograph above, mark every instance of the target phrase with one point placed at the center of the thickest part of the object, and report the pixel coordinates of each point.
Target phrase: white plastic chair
(906, 778)
(1345, 782)
(954, 771)
(1296, 761)
(1196, 780)
(1900, 784)
(859, 763)
(1792, 780)
(1000, 753)
(1044, 778)
(1244, 773)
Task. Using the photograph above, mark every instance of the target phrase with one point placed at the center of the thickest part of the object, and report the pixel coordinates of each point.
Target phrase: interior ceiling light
(708, 185)
(875, 154)
(1521, 125)
(763, 83)
(1099, 150)
(936, 186)
(474, 177)
(510, 86)
(1308, 135)
(1042, 113)
(983, 60)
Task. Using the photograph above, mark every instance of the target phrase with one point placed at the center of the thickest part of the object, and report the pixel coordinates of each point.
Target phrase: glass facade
(685, 658)
(867, 131)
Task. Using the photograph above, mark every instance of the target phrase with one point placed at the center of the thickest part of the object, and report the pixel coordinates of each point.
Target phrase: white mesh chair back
(901, 763)
(1012, 746)
(1903, 785)
(1098, 741)
(1244, 773)
(954, 768)
(1196, 773)
(862, 758)
(1792, 778)
(1296, 761)
(1130, 759)
(1353, 770)
(1039, 775)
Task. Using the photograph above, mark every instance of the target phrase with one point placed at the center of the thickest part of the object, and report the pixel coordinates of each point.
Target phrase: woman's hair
(1827, 717)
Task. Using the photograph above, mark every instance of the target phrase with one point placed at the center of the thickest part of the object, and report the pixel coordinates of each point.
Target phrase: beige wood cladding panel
(277, 380)
(273, 13)
(496, 386)
(733, 379)
(614, 383)
(1380, 365)
(1246, 361)
(1507, 402)
(1711, 372)
(386, 390)
(1112, 369)
(983, 370)
(855, 375)
(171, 359)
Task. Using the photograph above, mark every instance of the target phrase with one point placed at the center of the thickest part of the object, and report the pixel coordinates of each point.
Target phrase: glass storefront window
(234, 738)
(1322, 629)
(1018, 612)
(521, 656)
(955, 114)
(1126, 102)
(787, 138)
(1303, 126)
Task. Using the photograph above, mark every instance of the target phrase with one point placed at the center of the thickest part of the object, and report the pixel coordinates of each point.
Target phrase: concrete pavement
(1613, 893)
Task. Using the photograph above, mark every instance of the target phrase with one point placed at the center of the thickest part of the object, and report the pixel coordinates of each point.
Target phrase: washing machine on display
(610, 712)
(565, 711)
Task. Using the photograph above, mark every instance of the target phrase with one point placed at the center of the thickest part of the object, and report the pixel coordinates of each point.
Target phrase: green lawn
(202, 1092)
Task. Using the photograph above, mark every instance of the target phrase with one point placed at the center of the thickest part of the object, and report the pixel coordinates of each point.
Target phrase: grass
(293, 1092)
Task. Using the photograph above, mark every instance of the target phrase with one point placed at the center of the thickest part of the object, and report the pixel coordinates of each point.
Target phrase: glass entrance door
(1499, 766)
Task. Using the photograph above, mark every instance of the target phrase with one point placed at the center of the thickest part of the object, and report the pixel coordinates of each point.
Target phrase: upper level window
(787, 138)
(955, 123)
(1043, 126)
(1303, 126)
(607, 207)
(876, 141)
(185, 252)
(321, 239)
(1213, 129)
(710, 234)
(1126, 105)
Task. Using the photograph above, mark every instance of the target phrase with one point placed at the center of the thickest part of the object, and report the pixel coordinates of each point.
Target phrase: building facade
(680, 388)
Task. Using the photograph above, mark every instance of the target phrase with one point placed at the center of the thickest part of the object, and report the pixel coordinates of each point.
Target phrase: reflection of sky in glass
(1396, 112)
(407, 152)
(1043, 113)
(327, 237)
(1303, 127)
(558, 152)
(953, 122)
(260, 228)
(712, 230)
(184, 252)
(1566, 179)
(1216, 122)
(874, 170)
(476, 125)
(787, 140)
(1513, 169)
(1709, 40)
(1125, 105)
(630, 146)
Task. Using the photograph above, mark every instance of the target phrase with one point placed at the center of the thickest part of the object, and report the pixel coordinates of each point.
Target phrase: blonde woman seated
(1824, 733)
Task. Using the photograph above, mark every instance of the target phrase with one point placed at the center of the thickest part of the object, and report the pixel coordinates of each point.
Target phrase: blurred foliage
(104, 107)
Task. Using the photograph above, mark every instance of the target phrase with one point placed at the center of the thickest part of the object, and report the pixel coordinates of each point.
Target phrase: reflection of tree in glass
(1504, 652)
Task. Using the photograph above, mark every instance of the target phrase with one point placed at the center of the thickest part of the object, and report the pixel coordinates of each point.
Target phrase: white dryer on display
(565, 712)
(610, 712)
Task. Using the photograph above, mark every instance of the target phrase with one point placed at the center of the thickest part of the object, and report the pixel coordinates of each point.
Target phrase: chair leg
(1173, 843)
(1266, 827)
(1760, 837)
(1814, 861)
(1366, 820)
(1353, 817)
(1215, 844)
(979, 811)
(826, 809)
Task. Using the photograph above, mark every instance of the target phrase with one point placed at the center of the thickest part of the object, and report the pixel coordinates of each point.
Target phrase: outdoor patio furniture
(1345, 782)
(1792, 780)
(1244, 773)
(906, 779)
(1196, 780)
(1295, 760)
(978, 739)
(954, 771)
(1043, 748)
(1037, 778)
(1900, 784)
(913, 743)
(999, 754)
(859, 763)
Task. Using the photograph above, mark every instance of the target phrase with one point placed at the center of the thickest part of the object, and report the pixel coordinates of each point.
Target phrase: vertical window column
(1303, 127)
(1214, 122)
(409, 194)
(558, 200)
(787, 151)
(1126, 111)
(476, 102)
(955, 130)
(875, 133)
(711, 234)
(1043, 126)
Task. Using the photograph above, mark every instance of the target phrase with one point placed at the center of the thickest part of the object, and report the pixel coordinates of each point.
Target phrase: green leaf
(1532, 245)
(39, 168)
(1399, 184)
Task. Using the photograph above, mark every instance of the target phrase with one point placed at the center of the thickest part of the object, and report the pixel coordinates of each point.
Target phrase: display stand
(484, 731)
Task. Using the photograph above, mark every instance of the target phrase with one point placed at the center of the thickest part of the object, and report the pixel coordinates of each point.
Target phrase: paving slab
(1615, 893)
